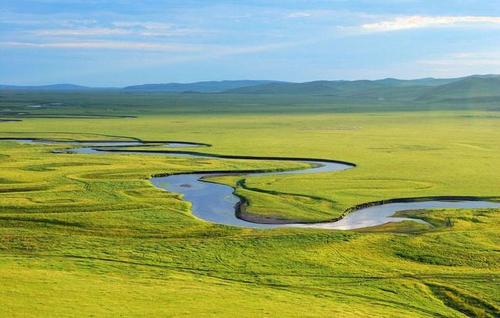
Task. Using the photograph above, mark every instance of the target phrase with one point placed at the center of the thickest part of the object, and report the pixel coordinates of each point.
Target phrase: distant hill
(381, 89)
(315, 87)
(339, 87)
(476, 88)
(200, 87)
(429, 81)
(468, 88)
(483, 88)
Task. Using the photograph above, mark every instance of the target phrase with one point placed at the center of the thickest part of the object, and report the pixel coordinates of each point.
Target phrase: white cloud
(465, 59)
(81, 32)
(157, 28)
(317, 13)
(414, 22)
(205, 49)
(144, 25)
(469, 62)
(124, 45)
(299, 14)
(149, 29)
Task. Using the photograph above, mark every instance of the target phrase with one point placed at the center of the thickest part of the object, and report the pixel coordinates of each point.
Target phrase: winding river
(217, 203)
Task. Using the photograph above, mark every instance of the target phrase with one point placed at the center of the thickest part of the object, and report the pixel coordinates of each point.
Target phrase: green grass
(88, 235)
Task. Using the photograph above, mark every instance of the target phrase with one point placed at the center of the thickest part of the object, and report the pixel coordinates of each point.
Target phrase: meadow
(88, 235)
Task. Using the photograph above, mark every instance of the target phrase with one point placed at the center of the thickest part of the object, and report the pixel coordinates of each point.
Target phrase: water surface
(217, 203)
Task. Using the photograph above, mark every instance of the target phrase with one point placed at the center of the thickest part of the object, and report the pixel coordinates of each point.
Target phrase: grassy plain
(88, 235)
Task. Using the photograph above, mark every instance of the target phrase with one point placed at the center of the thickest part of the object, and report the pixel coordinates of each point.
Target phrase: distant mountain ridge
(340, 87)
(428, 81)
(199, 87)
(470, 88)
(467, 88)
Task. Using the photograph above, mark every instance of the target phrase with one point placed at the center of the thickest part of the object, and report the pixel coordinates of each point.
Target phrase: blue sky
(115, 43)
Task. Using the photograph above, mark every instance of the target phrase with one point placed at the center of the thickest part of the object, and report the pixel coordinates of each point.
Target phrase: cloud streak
(418, 22)
(299, 14)
(81, 32)
(205, 49)
(113, 45)
(465, 59)
(148, 29)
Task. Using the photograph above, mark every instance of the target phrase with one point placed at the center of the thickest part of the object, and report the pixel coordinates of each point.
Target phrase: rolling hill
(428, 81)
(199, 87)
(476, 88)
(469, 88)
(363, 89)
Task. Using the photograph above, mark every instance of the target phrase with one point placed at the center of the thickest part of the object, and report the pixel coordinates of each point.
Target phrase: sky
(126, 42)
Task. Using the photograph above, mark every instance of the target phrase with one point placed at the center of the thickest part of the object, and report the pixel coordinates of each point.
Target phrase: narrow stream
(217, 203)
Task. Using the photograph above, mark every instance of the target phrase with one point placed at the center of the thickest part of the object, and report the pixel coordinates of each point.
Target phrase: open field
(89, 234)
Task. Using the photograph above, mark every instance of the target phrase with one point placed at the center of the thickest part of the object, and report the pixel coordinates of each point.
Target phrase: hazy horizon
(242, 79)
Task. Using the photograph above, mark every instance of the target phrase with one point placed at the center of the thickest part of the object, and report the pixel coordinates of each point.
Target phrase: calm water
(216, 202)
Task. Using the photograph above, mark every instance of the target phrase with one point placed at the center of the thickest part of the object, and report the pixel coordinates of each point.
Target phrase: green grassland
(88, 235)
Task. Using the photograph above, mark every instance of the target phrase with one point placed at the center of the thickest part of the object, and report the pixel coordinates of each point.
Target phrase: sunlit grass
(90, 234)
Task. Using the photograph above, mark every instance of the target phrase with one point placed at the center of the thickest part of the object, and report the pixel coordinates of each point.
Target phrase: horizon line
(3, 86)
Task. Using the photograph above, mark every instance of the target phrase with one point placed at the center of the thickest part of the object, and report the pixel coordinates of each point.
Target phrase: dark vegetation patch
(14, 220)
(53, 166)
(24, 189)
(463, 302)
